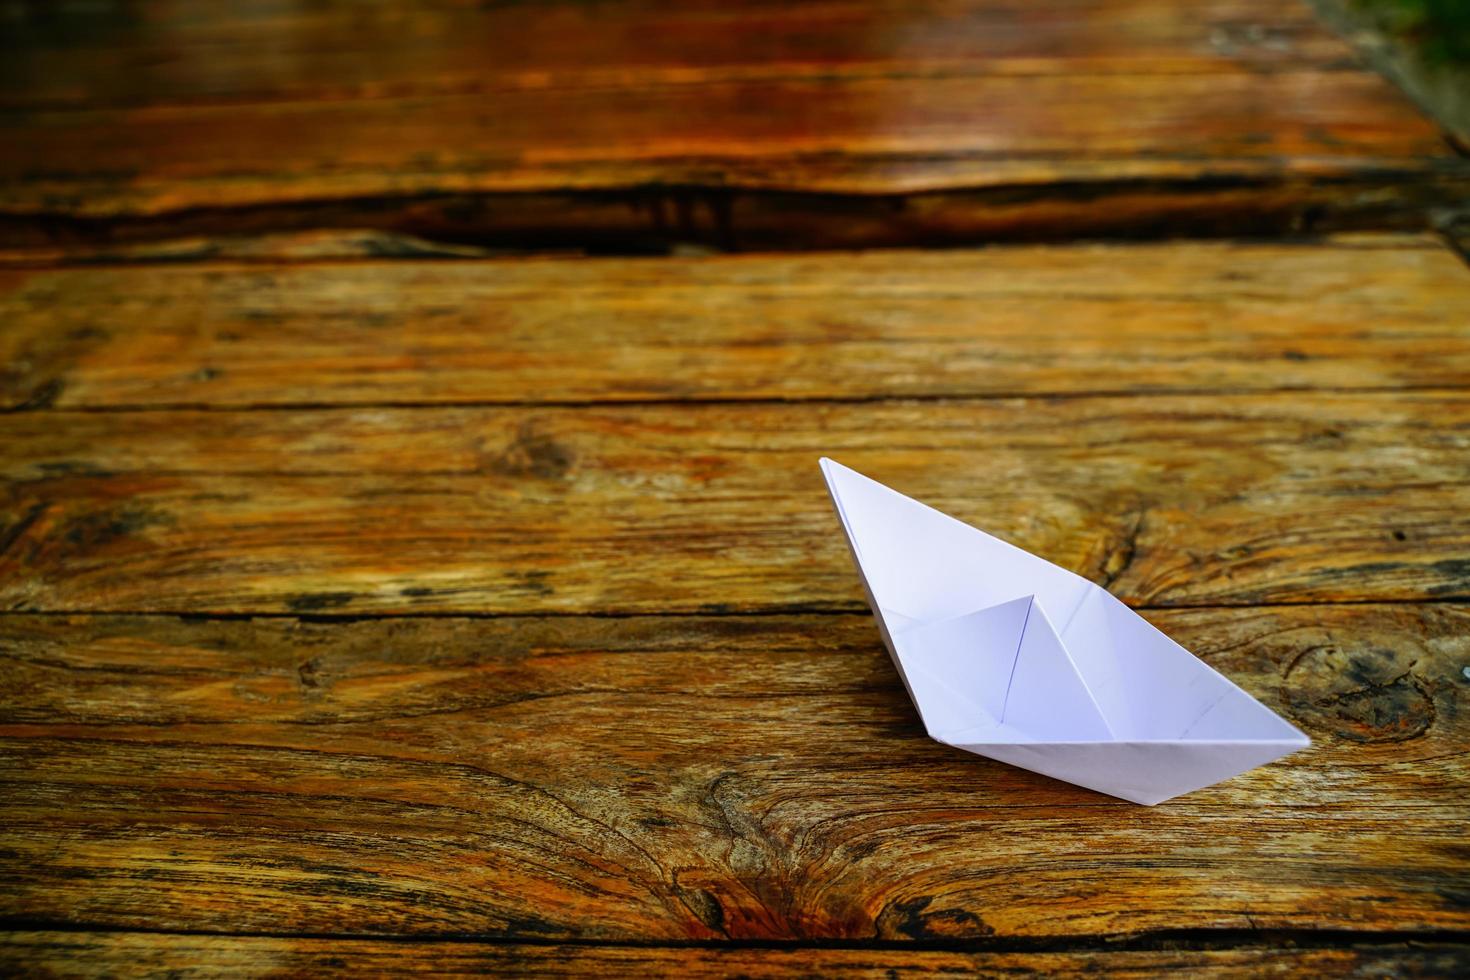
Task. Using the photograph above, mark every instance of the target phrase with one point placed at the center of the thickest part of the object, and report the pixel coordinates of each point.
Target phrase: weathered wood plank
(1166, 499)
(670, 777)
(856, 136)
(73, 53)
(1244, 106)
(1369, 312)
(101, 954)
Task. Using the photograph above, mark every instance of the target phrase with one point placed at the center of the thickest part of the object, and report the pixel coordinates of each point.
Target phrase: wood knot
(912, 919)
(533, 453)
(704, 905)
(308, 673)
(97, 529)
(1363, 692)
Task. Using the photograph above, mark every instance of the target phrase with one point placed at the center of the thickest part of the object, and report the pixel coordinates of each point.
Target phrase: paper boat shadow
(1011, 657)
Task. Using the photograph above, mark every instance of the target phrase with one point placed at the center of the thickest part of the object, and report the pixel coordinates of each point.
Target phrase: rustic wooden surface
(372, 601)
(1182, 318)
(1169, 500)
(390, 658)
(744, 125)
(667, 778)
(195, 51)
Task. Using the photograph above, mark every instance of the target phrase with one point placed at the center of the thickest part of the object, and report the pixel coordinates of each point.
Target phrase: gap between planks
(1162, 939)
(771, 612)
(942, 398)
(331, 246)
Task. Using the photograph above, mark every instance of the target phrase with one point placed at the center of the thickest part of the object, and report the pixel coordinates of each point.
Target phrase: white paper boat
(1011, 657)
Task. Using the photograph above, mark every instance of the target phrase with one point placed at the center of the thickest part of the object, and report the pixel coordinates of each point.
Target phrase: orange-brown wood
(675, 508)
(861, 136)
(719, 778)
(197, 51)
(372, 604)
(189, 115)
(1367, 312)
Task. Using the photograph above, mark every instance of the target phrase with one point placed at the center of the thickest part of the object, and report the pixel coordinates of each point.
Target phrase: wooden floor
(375, 599)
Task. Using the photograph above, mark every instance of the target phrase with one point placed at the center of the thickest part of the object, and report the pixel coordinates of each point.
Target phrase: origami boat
(1011, 657)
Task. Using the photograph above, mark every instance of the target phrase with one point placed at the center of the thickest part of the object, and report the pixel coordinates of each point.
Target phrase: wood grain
(154, 52)
(1365, 312)
(713, 778)
(861, 136)
(182, 116)
(85, 954)
(366, 614)
(1167, 500)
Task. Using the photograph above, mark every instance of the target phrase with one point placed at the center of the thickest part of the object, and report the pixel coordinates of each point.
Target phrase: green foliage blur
(1439, 30)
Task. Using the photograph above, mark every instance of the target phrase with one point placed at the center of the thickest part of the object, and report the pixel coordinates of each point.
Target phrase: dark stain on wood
(534, 453)
(1362, 691)
(89, 531)
(309, 601)
(911, 919)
